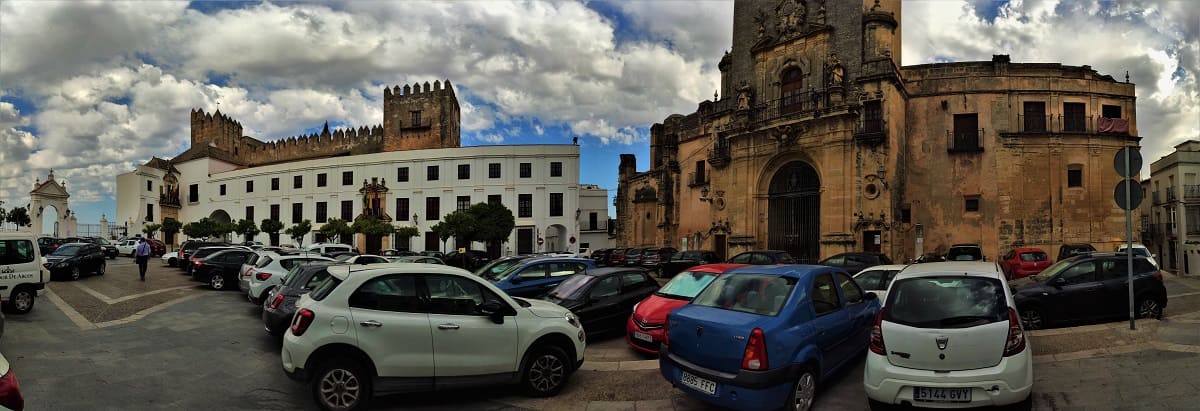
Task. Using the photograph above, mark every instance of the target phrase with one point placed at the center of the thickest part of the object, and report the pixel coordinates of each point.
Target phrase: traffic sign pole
(1129, 241)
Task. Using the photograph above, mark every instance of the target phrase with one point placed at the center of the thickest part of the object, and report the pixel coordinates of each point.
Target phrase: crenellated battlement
(214, 128)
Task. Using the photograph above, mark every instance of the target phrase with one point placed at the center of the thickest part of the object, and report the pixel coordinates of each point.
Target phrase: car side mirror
(871, 296)
(517, 279)
(1058, 282)
(494, 310)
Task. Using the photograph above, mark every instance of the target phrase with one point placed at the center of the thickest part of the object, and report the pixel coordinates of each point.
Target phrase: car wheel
(75, 274)
(217, 281)
(100, 270)
(545, 371)
(132, 255)
(341, 385)
(1149, 308)
(804, 390)
(21, 300)
(1032, 318)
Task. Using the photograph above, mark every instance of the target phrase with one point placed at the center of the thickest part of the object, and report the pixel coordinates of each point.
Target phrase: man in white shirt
(143, 257)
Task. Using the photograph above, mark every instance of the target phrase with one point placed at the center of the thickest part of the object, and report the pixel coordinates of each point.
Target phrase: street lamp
(416, 221)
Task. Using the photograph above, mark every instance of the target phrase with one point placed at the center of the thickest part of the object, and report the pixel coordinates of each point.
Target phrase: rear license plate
(941, 394)
(705, 386)
(643, 336)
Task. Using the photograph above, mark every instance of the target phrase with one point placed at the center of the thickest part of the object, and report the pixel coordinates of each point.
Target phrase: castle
(416, 117)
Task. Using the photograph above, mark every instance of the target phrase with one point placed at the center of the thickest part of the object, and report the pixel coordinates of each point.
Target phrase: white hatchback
(949, 336)
(269, 271)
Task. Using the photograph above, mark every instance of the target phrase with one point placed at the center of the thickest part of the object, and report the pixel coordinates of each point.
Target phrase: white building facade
(593, 218)
(1171, 225)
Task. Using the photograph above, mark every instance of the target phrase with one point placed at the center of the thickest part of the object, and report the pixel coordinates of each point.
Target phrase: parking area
(112, 342)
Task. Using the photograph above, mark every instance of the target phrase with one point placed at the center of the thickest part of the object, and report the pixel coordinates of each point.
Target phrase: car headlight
(635, 306)
(571, 319)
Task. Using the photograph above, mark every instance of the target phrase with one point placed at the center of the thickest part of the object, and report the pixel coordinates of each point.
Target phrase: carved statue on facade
(743, 96)
(836, 71)
(791, 15)
(821, 13)
(761, 20)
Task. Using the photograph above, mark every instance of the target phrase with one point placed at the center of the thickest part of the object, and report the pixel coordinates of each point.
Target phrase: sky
(113, 83)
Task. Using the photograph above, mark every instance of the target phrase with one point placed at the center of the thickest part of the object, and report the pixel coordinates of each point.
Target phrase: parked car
(25, 276)
(280, 303)
(169, 259)
(1089, 287)
(46, 245)
(645, 329)
(157, 248)
(854, 262)
(600, 257)
(360, 259)
(127, 247)
(603, 298)
(482, 335)
(1070, 250)
(471, 260)
(1139, 250)
(616, 257)
(653, 258)
(187, 248)
(1024, 262)
(536, 276)
(877, 279)
(766, 257)
(749, 341)
(498, 265)
(107, 248)
(965, 252)
(949, 336)
(633, 257)
(72, 260)
(329, 249)
(10, 389)
(415, 259)
(683, 260)
(269, 271)
(391, 252)
(437, 254)
(221, 269)
(201, 253)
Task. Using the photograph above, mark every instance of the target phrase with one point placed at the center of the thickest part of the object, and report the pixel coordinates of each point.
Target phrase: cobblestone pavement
(112, 342)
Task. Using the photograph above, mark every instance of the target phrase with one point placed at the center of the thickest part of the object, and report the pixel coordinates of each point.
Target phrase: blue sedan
(762, 337)
(537, 276)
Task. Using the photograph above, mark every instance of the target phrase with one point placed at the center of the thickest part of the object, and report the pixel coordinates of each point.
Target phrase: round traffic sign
(541, 241)
(572, 239)
(1135, 194)
(1135, 162)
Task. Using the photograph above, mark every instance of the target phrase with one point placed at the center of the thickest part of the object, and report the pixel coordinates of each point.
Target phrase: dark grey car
(280, 304)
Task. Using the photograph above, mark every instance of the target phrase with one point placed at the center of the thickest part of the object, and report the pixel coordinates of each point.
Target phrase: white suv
(23, 271)
(949, 336)
(421, 327)
(268, 272)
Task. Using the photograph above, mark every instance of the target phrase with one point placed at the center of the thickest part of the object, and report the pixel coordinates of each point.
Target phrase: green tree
(271, 227)
(3, 215)
(336, 230)
(19, 216)
(462, 227)
(200, 229)
(443, 232)
(150, 229)
(298, 231)
(247, 229)
(371, 226)
(170, 226)
(494, 224)
(407, 232)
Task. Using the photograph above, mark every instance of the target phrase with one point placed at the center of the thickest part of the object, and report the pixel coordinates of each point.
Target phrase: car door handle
(371, 323)
(447, 326)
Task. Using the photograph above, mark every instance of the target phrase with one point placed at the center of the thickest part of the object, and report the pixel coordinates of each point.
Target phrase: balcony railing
(806, 104)
(168, 201)
(1058, 123)
(970, 141)
(720, 154)
(1034, 124)
(1193, 225)
(870, 131)
(695, 179)
(1171, 194)
(1191, 192)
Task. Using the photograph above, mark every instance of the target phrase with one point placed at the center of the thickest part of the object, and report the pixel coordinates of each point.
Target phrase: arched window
(792, 86)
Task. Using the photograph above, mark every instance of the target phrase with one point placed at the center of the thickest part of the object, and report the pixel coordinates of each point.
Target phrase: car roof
(885, 267)
(785, 270)
(545, 259)
(1028, 250)
(715, 268)
(989, 269)
(342, 271)
(600, 272)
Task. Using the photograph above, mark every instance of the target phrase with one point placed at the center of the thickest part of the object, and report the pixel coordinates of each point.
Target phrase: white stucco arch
(51, 193)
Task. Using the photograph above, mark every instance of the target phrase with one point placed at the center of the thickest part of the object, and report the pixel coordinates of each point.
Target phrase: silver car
(269, 271)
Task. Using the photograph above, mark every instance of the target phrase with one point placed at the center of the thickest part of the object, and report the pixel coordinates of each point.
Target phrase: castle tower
(214, 128)
(420, 116)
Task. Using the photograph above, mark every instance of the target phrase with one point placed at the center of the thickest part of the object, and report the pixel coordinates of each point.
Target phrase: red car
(1024, 262)
(644, 329)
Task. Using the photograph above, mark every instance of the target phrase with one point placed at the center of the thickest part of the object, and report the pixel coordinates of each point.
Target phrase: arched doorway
(50, 221)
(50, 195)
(556, 238)
(221, 217)
(794, 212)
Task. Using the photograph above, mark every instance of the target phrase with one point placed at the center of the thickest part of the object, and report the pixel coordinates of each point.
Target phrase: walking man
(143, 257)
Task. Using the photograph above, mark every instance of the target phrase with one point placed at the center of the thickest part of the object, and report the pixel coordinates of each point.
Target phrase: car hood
(654, 309)
(57, 258)
(546, 309)
(1025, 285)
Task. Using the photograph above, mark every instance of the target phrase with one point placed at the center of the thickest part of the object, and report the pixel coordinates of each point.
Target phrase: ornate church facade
(822, 143)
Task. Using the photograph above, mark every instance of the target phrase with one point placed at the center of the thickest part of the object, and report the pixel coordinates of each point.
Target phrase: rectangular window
(1035, 117)
(464, 171)
(525, 205)
(1075, 175)
(297, 181)
(872, 116)
(700, 175)
(322, 211)
(494, 199)
(556, 204)
(416, 118)
(149, 185)
(432, 209)
(249, 186)
(347, 178)
(493, 170)
(1108, 111)
(402, 209)
(556, 169)
(275, 184)
(275, 212)
(431, 173)
(321, 180)
(222, 189)
(250, 213)
(592, 220)
(194, 193)
(149, 212)
(526, 170)
(402, 174)
(348, 210)
(464, 202)
(297, 212)
(1074, 117)
(971, 204)
(906, 214)
(966, 133)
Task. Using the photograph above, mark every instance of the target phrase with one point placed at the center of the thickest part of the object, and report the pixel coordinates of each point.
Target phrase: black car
(765, 257)
(603, 298)
(1089, 287)
(600, 257)
(48, 244)
(684, 260)
(280, 304)
(108, 249)
(499, 265)
(220, 268)
(194, 258)
(1070, 250)
(470, 260)
(652, 258)
(72, 260)
(188, 247)
(856, 261)
(965, 252)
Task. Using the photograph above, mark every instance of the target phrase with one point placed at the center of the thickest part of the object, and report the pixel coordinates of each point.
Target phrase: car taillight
(877, 345)
(10, 392)
(1158, 276)
(276, 301)
(755, 356)
(248, 273)
(198, 263)
(303, 319)
(262, 275)
(1016, 337)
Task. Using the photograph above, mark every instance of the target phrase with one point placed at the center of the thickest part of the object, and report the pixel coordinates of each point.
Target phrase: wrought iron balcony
(1156, 199)
(1171, 195)
(168, 200)
(800, 105)
(870, 131)
(968, 141)
(1191, 192)
(720, 154)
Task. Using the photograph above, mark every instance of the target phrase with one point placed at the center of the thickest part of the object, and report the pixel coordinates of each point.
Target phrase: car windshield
(750, 293)
(964, 254)
(686, 285)
(686, 256)
(946, 302)
(1051, 271)
(572, 286)
(67, 250)
(1034, 256)
(494, 268)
